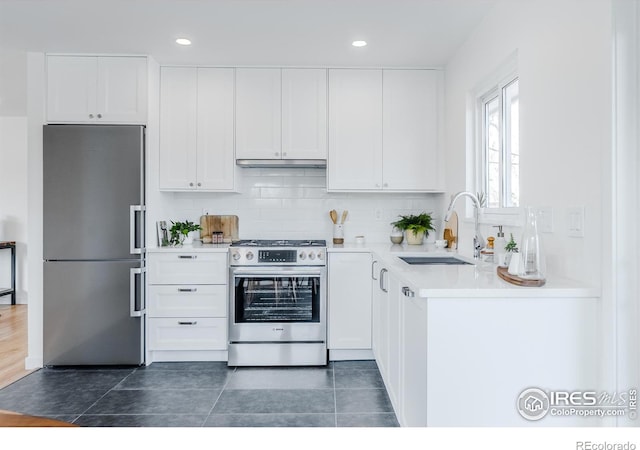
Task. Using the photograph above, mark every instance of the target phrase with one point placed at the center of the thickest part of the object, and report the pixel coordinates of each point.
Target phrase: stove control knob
(249, 256)
(235, 256)
(320, 255)
(312, 256)
(302, 255)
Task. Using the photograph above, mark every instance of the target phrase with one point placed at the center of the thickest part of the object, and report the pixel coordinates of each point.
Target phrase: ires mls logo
(534, 403)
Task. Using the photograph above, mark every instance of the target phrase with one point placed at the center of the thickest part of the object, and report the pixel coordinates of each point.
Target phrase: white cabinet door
(413, 401)
(258, 109)
(394, 360)
(355, 130)
(380, 319)
(187, 333)
(187, 268)
(349, 300)
(410, 130)
(71, 88)
(215, 118)
(304, 113)
(96, 89)
(187, 300)
(178, 112)
(122, 90)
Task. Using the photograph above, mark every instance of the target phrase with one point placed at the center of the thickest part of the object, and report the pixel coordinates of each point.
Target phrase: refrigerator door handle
(133, 312)
(132, 228)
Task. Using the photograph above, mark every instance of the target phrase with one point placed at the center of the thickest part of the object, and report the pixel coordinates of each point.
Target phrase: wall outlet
(378, 213)
(575, 221)
(545, 219)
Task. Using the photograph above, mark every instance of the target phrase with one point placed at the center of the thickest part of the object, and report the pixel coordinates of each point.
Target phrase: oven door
(277, 304)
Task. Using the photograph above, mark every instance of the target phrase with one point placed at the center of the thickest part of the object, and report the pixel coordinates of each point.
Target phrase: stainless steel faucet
(478, 241)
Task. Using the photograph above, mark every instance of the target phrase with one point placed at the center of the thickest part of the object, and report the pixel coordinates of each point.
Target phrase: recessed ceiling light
(359, 43)
(183, 41)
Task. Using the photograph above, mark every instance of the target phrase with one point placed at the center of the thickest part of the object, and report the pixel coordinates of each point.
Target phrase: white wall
(564, 63)
(13, 169)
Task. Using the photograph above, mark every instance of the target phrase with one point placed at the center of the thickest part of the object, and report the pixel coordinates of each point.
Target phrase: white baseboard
(347, 355)
(186, 356)
(33, 362)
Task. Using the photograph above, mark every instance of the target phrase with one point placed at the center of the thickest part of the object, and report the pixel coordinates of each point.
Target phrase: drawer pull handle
(187, 323)
(187, 256)
(187, 290)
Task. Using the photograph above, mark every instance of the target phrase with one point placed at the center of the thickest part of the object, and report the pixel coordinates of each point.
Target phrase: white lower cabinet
(187, 306)
(399, 346)
(464, 361)
(413, 359)
(188, 333)
(349, 299)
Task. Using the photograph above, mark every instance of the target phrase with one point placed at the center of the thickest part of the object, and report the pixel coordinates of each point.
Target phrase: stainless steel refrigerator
(94, 258)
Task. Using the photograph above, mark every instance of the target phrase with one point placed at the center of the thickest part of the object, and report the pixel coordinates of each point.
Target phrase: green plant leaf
(422, 222)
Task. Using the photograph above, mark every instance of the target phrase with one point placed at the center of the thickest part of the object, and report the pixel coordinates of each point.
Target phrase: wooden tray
(227, 224)
(513, 279)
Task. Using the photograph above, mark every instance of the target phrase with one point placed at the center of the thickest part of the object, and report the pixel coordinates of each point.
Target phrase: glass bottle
(533, 264)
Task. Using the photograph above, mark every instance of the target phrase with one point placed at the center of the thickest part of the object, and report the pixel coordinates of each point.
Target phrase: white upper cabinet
(258, 111)
(410, 130)
(96, 89)
(355, 129)
(178, 116)
(304, 113)
(215, 146)
(383, 130)
(281, 114)
(196, 129)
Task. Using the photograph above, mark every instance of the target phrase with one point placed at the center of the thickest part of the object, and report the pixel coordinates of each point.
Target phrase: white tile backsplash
(294, 204)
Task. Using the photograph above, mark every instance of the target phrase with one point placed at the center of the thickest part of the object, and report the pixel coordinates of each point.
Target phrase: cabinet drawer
(189, 333)
(188, 268)
(187, 301)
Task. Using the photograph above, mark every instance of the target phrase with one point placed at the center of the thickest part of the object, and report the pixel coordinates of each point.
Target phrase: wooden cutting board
(227, 224)
(503, 273)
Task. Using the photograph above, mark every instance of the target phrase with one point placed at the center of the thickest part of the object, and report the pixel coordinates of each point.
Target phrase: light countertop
(479, 280)
(197, 246)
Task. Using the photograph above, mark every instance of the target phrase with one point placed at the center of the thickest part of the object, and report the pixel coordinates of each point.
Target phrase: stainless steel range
(278, 303)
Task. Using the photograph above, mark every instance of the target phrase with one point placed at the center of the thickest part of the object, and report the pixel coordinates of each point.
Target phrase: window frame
(491, 88)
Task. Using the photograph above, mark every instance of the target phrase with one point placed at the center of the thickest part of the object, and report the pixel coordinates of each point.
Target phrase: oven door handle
(280, 271)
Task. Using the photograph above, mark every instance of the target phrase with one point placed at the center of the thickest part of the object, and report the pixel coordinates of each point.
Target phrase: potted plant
(416, 227)
(511, 248)
(180, 231)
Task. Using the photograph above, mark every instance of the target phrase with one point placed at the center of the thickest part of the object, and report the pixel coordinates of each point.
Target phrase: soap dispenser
(499, 252)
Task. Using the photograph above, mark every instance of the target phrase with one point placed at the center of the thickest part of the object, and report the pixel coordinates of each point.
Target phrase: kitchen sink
(432, 260)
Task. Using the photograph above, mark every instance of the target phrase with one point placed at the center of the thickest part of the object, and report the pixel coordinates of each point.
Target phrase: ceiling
(411, 33)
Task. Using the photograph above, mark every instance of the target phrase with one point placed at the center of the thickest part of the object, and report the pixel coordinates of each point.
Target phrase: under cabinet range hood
(283, 163)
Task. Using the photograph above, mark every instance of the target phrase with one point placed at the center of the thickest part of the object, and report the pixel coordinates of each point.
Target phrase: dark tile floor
(209, 394)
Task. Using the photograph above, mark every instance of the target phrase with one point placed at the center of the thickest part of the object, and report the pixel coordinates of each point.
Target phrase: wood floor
(13, 343)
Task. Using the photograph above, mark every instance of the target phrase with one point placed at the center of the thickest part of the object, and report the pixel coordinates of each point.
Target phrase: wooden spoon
(344, 216)
(334, 216)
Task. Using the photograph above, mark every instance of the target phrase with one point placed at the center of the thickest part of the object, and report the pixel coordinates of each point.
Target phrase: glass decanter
(533, 262)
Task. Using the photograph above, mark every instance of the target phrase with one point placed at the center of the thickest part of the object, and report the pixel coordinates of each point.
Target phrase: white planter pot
(414, 238)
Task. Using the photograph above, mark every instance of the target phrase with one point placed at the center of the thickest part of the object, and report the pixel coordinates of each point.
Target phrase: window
(498, 174)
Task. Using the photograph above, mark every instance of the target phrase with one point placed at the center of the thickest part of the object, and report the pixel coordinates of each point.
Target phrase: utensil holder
(338, 233)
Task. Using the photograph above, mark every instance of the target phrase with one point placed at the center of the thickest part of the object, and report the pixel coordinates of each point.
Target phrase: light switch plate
(575, 221)
(545, 219)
